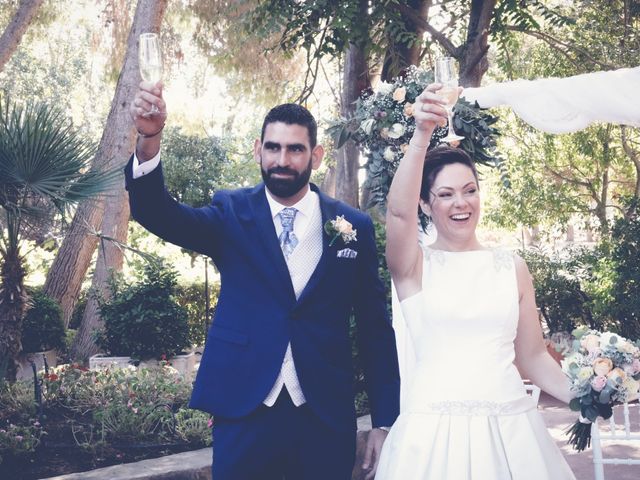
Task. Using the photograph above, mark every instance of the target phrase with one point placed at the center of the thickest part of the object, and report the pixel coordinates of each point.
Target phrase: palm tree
(44, 168)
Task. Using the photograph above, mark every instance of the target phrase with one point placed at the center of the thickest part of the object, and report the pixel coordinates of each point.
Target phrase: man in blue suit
(295, 264)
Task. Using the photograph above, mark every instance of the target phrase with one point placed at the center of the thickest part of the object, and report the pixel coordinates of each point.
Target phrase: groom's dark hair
(292, 114)
(435, 160)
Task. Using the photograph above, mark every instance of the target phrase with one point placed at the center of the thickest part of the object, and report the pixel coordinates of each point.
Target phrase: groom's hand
(375, 440)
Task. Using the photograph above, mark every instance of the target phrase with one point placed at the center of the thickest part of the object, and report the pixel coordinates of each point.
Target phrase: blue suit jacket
(257, 314)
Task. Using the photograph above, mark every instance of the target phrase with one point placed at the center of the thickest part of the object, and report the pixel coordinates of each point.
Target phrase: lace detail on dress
(481, 407)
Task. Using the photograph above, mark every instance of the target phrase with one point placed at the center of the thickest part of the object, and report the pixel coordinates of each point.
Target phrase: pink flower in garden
(210, 423)
(19, 438)
(598, 383)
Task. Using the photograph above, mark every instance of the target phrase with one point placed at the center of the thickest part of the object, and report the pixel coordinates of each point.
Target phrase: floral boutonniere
(340, 228)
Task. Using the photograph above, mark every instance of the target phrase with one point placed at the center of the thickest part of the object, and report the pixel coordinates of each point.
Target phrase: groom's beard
(286, 187)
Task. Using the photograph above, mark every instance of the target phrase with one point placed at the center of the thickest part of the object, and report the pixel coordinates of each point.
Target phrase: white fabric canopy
(563, 105)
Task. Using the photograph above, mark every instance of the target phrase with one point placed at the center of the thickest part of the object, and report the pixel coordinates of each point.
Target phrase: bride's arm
(404, 257)
(532, 358)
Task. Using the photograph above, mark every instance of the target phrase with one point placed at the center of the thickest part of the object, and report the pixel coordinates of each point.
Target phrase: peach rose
(408, 109)
(617, 375)
(602, 366)
(343, 226)
(399, 94)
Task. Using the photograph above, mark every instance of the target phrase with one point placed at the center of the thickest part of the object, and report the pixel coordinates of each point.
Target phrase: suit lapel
(265, 234)
(328, 207)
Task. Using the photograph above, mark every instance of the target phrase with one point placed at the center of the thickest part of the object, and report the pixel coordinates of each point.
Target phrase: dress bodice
(463, 324)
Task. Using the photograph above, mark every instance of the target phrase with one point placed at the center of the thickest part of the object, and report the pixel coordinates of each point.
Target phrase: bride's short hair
(436, 159)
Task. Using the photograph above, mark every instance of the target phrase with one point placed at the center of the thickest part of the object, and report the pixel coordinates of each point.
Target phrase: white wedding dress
(466, 415)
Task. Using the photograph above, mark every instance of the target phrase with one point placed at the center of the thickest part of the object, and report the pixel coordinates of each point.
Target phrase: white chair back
(627, 433)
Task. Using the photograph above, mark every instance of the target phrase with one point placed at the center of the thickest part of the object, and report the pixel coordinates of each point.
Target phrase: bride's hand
(428, 110)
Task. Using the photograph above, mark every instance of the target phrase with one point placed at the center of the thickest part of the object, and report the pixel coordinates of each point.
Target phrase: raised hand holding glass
(446, 74)
(150, 62)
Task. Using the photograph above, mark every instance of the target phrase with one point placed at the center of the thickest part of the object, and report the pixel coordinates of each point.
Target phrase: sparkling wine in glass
(150, 62)
(447, 75)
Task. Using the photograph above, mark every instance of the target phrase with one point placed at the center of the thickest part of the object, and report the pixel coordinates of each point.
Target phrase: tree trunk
(12, 308)
(64, 279)
(68, 270)
(69, 267)
(399, 55)
(472, 55)
(12, 35)
(355, 80)
(473, 61)
(110, 258)
(328, 185)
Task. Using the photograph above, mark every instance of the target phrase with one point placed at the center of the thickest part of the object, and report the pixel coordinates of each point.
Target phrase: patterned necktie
(288, 240)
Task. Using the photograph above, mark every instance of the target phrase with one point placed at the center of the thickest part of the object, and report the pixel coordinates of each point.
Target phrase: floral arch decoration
(383, 124)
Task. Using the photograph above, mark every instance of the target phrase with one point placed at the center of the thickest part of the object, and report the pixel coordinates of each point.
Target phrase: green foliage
(625, 255)
(193, 426)
(19, 440)
(78, 310)
(193, 166)
(383, 270)
(44, 161)
(17, 401)
(361, 397)
(96, 409)
(192, 299)
(559, 295)
(42, 327)
(383, 125)
(143, 320)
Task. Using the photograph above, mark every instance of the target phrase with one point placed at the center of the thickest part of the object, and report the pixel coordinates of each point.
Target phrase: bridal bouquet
(604, 369)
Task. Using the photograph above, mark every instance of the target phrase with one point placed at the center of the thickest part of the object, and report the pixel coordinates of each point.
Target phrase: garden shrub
(559, 295)
(99, 410)
(42, 327)
(191, 298)
(625, 293)
(143, 320)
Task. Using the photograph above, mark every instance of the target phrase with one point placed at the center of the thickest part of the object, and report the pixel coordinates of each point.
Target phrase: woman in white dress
(471, 315)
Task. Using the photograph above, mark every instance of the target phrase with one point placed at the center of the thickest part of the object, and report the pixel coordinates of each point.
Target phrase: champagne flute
(446, 74)
(150, 62)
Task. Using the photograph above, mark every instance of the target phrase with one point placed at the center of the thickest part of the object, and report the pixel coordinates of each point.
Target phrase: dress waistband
(476, 407)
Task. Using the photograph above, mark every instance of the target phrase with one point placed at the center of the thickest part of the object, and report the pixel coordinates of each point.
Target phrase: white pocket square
(347, 253)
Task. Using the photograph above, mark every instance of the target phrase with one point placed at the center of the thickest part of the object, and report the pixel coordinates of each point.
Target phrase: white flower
(607, 338)
(396, 131)
(385, 88)
(584, 374)
(389, 155)
(625, 346)
(590, 342)
(367, 125)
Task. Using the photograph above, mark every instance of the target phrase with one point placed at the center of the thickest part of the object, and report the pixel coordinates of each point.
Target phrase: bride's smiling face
(454, 203)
